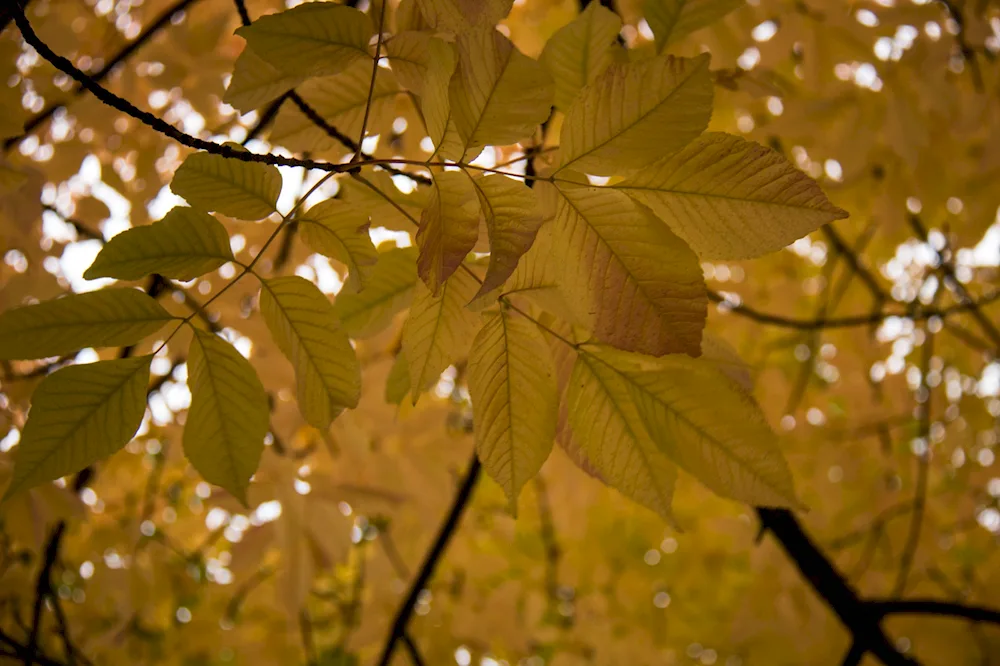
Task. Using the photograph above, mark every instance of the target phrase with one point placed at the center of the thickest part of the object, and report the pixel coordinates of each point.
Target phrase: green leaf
(228, 418)
(305, 328)
(628, 278)
(582, 50)
(730, 198)
(512, 383)
(184, 245)
(706, 424)
(438, 330)
(339, 230)
(513, 217)
(458, 15)
(634, 113)
(672, 20)
(244, 190)
(313, 39)
(341, 101)
(608, 428)
(498, 95)
(80, 415)
(105, 318)
(389, 291)
(255, 83)
(449, 228)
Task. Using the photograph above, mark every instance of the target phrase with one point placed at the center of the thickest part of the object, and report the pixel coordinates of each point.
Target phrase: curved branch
(886, 607)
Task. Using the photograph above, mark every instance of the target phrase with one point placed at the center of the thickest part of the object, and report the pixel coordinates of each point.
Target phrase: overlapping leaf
(228, 418)
(244, 190)
(582, 50)
(389, 291)
(79, 415)
(312, 39)
(634, 283)
(255, 83)
(340, 231)
(449, 228)
(514, 394)
(730, 198)
(105, 318)
(458, 15)
(672, 20)
(185, 244)
(634, 113)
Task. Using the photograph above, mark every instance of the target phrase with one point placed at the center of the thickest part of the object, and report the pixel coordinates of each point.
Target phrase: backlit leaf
(513, 218)
(184, 245)
(449, 228)
(636, 285)
(312, 39)
(498, 94)
(730, 198)
(458, 15)
(244, 190)
(582, 50)
(228, 418)
(389, 291)
(608, 428)
(340, 231)
(512, 381)
(80, 415)
(255, 82)
(635, 113)
(706, 424)
(672, 20)
(302, 321)
(438, 330)
(397, 384)
(105, 318)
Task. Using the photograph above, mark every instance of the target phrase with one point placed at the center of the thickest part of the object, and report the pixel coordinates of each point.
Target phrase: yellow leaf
(634, 113)
(105, 318)
(397, 384)
(313, 39)
(244, 190)
(582, 50)
(672, 20)
(498, 94)
(340, 231)
(228, 418)
(706, 424)
(438, 330)
(458, 15)
(255, 83)
(627, 277)
(12, 112)
(730, 198)
(79, 415)
(449, 228)
(513, 218)
(305, 328)
(608, 428)
(512, 382)
(184, 245)
(389, 292)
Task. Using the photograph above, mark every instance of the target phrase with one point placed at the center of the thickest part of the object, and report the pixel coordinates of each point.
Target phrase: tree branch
(884, 607)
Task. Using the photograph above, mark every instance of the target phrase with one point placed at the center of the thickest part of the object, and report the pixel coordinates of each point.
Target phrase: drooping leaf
(438, 330)
(228, 418)
(458, 15)
(609, 430)
(449, 228)
(255, 82)
(634, 113)
(635, 285)
(105, 318)
(717, 352)
(512, 383)
(706, 424)
(80, 415)
(305, 328)
(184, 245)
(498, 94)
(582, 50)
(730, 198)
(397, 384)
(339, 230)
(244, 190)
(513, 217)
(672, 20)
(340, 100)
(389, 291)
(312, 39)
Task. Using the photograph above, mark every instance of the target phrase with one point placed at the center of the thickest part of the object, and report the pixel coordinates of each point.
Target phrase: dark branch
(883, 608)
